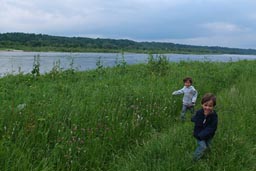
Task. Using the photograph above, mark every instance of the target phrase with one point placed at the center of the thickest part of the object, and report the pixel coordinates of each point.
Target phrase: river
(13, 62)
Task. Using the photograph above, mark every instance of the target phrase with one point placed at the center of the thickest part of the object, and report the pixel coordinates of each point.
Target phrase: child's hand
(192, 104)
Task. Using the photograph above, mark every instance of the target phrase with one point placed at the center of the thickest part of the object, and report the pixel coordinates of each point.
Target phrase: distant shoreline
(44, 43)
(133, 52)
(11, 50)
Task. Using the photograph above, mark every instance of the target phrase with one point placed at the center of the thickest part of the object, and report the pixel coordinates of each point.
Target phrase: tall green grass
(124, 118)
(234, 146)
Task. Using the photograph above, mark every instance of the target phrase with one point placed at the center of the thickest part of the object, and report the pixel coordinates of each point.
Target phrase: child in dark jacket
(206, 121)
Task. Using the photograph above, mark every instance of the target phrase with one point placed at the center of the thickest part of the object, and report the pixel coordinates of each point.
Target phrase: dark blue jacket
(205, 126)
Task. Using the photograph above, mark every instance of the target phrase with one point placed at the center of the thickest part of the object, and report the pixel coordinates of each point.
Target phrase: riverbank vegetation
(124, 118)
(41, 42)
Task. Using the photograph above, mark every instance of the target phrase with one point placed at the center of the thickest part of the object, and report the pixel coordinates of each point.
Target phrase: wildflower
(21, 106)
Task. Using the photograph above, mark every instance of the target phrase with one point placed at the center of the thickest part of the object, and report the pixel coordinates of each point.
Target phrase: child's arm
(194, 118)
(194, 96)
(181, 91)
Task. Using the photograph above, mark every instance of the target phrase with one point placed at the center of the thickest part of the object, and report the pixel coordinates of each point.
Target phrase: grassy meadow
(125, 119)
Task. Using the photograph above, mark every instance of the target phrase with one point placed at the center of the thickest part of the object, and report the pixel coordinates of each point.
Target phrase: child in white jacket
(189, 98)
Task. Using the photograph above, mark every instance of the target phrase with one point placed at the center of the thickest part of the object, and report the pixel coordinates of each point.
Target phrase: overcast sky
(228, 23)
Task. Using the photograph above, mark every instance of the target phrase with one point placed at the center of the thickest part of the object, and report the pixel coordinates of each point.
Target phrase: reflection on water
(17, 62)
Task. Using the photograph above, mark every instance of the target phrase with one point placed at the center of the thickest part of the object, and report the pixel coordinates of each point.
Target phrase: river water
(13, 62)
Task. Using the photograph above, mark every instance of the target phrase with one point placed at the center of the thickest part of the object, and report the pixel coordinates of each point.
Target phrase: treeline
(42, 42)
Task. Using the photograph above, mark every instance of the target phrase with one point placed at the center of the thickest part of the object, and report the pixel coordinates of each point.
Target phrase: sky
(225, 23)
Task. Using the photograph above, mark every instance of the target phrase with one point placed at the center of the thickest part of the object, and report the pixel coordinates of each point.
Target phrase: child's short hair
(207, 97)
(188, 79)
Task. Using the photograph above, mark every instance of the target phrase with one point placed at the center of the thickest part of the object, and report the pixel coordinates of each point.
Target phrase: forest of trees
(42, 42)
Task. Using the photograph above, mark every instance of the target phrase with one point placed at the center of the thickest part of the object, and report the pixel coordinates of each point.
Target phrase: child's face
(187, 83)
(208, 107)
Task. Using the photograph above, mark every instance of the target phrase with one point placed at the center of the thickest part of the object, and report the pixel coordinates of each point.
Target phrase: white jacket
(190, 95)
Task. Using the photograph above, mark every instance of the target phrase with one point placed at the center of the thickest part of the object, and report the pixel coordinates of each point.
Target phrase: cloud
(222, 27)
(240, 41)
(197, 22)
